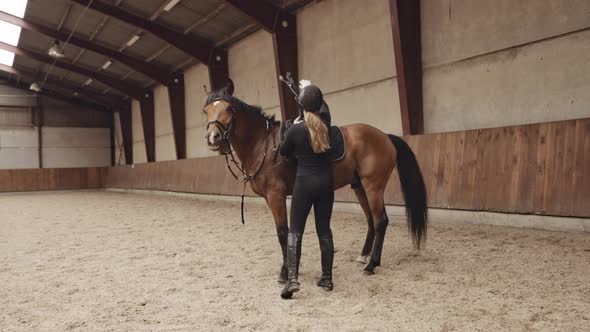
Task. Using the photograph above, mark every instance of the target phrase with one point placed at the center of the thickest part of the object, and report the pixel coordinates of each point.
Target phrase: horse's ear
(229, 87)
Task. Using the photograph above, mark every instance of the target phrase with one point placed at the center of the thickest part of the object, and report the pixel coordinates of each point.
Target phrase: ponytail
(318, 132)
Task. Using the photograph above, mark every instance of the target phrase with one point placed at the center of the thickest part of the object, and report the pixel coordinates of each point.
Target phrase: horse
(234, 126)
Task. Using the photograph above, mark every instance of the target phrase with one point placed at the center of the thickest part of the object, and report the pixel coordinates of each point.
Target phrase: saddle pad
(337, 144)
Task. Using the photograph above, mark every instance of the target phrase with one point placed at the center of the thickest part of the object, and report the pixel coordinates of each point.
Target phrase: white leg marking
(362, 259)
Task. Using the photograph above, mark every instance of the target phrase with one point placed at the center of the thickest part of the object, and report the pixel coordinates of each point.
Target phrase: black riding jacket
(297, 144)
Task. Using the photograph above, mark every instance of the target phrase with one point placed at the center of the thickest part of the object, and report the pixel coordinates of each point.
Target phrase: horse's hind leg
(364, 202)
(380, 222)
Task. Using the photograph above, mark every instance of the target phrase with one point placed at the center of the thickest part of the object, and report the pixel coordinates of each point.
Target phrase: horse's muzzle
(214, 140)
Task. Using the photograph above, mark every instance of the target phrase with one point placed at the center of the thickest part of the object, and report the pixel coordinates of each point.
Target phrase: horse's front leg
(277, 202)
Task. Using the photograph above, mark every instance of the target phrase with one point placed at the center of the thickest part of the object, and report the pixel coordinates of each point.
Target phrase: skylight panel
(9, 33)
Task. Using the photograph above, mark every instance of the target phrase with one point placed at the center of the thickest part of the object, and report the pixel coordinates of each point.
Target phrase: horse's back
(369, 149)
(360, 136)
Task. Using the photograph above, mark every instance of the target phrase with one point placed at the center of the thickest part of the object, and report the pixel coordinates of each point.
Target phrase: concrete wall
(18, 135)
(345, 47)
(16, 116)
(194, 79)
(19, 147)
(13, 97)
(486, 64)
(62, 114)
(72, 135)
(139, 154)
(165, 149)
(76, 147)
(252, 68)
(489, 63)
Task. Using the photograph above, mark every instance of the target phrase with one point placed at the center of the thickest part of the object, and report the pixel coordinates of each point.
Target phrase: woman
(309, 142)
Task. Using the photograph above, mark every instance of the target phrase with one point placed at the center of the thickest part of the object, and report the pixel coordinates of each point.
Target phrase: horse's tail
(413, 189)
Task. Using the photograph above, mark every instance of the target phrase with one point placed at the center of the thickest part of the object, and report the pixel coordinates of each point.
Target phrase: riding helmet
(310, 98)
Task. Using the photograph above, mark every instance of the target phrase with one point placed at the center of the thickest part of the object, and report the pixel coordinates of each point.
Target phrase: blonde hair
(318, 132)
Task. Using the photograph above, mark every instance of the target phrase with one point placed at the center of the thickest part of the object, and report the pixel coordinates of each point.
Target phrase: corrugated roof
(224, 27)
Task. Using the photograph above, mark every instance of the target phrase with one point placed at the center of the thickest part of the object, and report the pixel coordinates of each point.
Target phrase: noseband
(225, 131)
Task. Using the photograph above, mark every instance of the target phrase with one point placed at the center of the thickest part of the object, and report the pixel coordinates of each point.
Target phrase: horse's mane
(237, 104)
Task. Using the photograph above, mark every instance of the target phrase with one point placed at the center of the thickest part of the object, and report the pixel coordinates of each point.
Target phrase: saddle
(337, 144)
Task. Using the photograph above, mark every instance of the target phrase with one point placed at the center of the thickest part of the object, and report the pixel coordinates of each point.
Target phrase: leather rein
(225, 135)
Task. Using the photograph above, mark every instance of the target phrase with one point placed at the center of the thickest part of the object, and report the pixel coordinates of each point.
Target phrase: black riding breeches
(316, 191)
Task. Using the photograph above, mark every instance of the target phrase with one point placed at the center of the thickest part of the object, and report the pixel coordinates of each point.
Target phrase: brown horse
(370, 159)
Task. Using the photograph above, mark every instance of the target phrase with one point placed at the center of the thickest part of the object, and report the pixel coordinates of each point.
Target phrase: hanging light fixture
(107, 65)
(168, 7)
(55, 50)
(132, 40)
(35, 87)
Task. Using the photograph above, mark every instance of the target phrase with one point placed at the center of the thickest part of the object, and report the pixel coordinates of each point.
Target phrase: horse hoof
(362, 259)
(370, 268)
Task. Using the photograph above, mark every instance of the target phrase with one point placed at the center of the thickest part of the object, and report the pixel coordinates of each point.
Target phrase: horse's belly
(344, 172)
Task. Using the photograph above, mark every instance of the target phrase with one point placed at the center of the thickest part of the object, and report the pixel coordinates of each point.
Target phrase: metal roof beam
(283, 27)
(130, 90)
(199, 48)
(100, 99)
(153, 71)
(126, 122)
(405, 28)
(57, 95)
(206, 18)
(148, 122)
(64, 17)
(178, 113)
(262, 12)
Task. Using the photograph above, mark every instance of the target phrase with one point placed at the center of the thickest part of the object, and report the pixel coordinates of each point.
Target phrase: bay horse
(370, 158)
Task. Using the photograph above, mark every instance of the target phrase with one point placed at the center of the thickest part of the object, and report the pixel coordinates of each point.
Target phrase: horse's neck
(248, 142)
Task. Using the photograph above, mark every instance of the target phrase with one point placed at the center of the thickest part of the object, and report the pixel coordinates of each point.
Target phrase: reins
(245, 177)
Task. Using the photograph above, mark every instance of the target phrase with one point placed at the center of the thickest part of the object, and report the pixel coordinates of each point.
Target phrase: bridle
(225, 131)
(225, 135)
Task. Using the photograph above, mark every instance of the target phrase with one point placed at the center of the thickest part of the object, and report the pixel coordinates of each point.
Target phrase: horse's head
(220, 118)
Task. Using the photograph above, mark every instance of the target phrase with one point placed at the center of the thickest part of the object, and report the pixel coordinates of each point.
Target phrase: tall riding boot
(293, 255)
(327, 249)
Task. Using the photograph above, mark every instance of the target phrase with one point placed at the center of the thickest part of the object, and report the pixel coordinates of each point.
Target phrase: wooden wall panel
(539, 168)
(197, 175)
(51, 179)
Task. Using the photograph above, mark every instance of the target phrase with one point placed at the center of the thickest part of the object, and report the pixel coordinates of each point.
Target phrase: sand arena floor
(110, 261)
